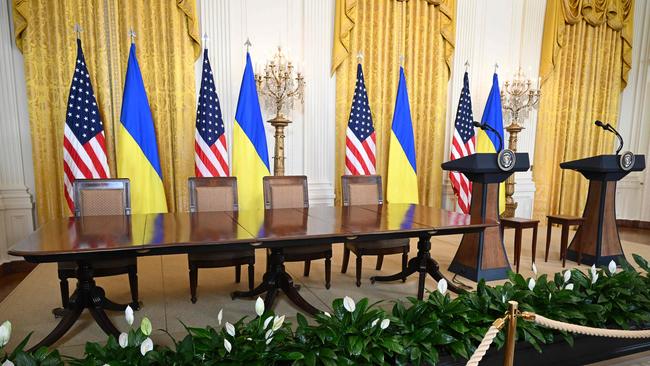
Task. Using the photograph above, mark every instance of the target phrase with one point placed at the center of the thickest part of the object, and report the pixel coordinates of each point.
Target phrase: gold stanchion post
(509, 358)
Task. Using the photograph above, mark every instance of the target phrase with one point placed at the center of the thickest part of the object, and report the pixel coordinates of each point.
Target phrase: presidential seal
(506, 160)
(626, 162)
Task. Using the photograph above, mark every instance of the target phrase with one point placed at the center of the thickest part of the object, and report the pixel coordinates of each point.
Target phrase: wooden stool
(519, 224)
(565, 222)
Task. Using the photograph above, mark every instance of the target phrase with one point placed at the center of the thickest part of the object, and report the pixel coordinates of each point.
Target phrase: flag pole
(205, 40)
(132, 35)
(466, 65)
(78, 30)
(360, 57)
(248, 44)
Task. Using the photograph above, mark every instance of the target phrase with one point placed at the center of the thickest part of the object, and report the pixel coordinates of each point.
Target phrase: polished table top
(87, 237)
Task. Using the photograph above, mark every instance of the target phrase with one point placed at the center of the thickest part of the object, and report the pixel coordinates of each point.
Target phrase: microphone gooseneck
(484, 126)
(610, 128)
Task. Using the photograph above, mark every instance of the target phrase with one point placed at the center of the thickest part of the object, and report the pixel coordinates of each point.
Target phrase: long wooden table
(88, 239)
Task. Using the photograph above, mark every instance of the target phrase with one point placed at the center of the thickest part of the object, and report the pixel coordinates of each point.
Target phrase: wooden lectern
(482, 255)
(597, 241)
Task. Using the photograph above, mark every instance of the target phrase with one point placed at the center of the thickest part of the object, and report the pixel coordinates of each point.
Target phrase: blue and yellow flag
(487, 141)
(402, 185)
(137, 150)
(250, 156)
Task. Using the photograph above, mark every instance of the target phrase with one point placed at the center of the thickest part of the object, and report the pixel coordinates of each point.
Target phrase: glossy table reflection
(88, 239)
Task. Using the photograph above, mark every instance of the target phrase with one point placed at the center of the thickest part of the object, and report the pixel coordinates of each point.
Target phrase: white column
(16, 218)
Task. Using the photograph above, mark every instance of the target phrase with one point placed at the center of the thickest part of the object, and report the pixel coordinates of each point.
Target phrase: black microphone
(608, 127)
(484, 127)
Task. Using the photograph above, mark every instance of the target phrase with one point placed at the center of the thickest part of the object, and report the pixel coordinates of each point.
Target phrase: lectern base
(476, 275)
(590, 259)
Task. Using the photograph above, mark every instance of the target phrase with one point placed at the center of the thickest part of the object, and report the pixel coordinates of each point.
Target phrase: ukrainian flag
(137, 150)
(250, 156)
(402, 185)
(487, 141)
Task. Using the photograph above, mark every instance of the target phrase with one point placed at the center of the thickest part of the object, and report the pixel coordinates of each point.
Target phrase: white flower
(123, 340)
(594, 278)
(503, 298)
(230, 329)
(268, 334)
(146, 346)
(145, 326)
(267, 321)
(442, 286)
(549, 296)
(327, 314)
(593, 270)
(5, 333)
(567, 276)
(374, 322)
(569, 287)
(534, 269)
(277, 322)
(384, 324)
(128, 315)
(220, 316)
(9, 363)
(349, 304)
(227, 345)
(531, 284)
(612, 267)
(268, 341)
(259, 306)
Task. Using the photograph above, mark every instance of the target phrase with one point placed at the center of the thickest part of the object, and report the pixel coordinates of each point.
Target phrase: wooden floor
(27, 298)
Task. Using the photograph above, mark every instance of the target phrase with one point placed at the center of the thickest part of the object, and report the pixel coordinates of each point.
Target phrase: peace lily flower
(267, 321)
(531, 284)
(593, 270)
(612, 267)
(145, 326)
(146, 346)
(5, 333)
(128, 315)
(534, 269)
(384, 324)
(230, 329)
(442, 286)
(227, 345)
(349, 304)
(259, 306)
(268, 341)
(268, 334)
(374, 322)
(277, 322)
(8, 363)
(594, 278)
(327, 314)
(567, 276)
(569, 287)
(220, 316)
(123, 340)
(549, 296)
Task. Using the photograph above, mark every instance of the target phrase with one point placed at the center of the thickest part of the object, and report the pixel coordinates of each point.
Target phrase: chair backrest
(285, 192)
(101, 197)
(213, 194)
(361, 190)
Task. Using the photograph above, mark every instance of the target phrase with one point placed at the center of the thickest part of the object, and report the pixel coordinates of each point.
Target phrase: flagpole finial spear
(77, 30)
(248, 44)
(401, 60)
(496, 66)
(132, 35)
(205, 40)
(360, 57)
(466, 65)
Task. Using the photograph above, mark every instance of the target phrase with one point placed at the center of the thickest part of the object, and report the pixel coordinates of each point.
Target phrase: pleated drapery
(586, 57)
(167, 41)
(427, 41)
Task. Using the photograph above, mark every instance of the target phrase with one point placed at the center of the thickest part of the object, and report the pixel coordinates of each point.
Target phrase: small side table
(565, 222)
(519, 225)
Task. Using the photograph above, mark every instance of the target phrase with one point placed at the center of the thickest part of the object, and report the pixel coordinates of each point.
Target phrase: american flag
(84, 145)
(211, 159)
(360, 135)
(462, 144)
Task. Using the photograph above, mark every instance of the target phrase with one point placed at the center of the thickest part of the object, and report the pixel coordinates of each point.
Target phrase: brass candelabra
(518, 98)
(279, 88)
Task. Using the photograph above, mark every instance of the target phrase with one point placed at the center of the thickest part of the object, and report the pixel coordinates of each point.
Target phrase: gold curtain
(427, 38)
(586, 57)
(167, 45)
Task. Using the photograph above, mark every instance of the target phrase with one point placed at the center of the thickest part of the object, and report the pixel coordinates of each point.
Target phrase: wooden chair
(292, 192)
(519, 224)
(366, 190)
(565, 222)
(209, 195)
(101, 197)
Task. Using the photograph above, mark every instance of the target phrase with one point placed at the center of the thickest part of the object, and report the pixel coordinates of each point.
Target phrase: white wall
(504, 31)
